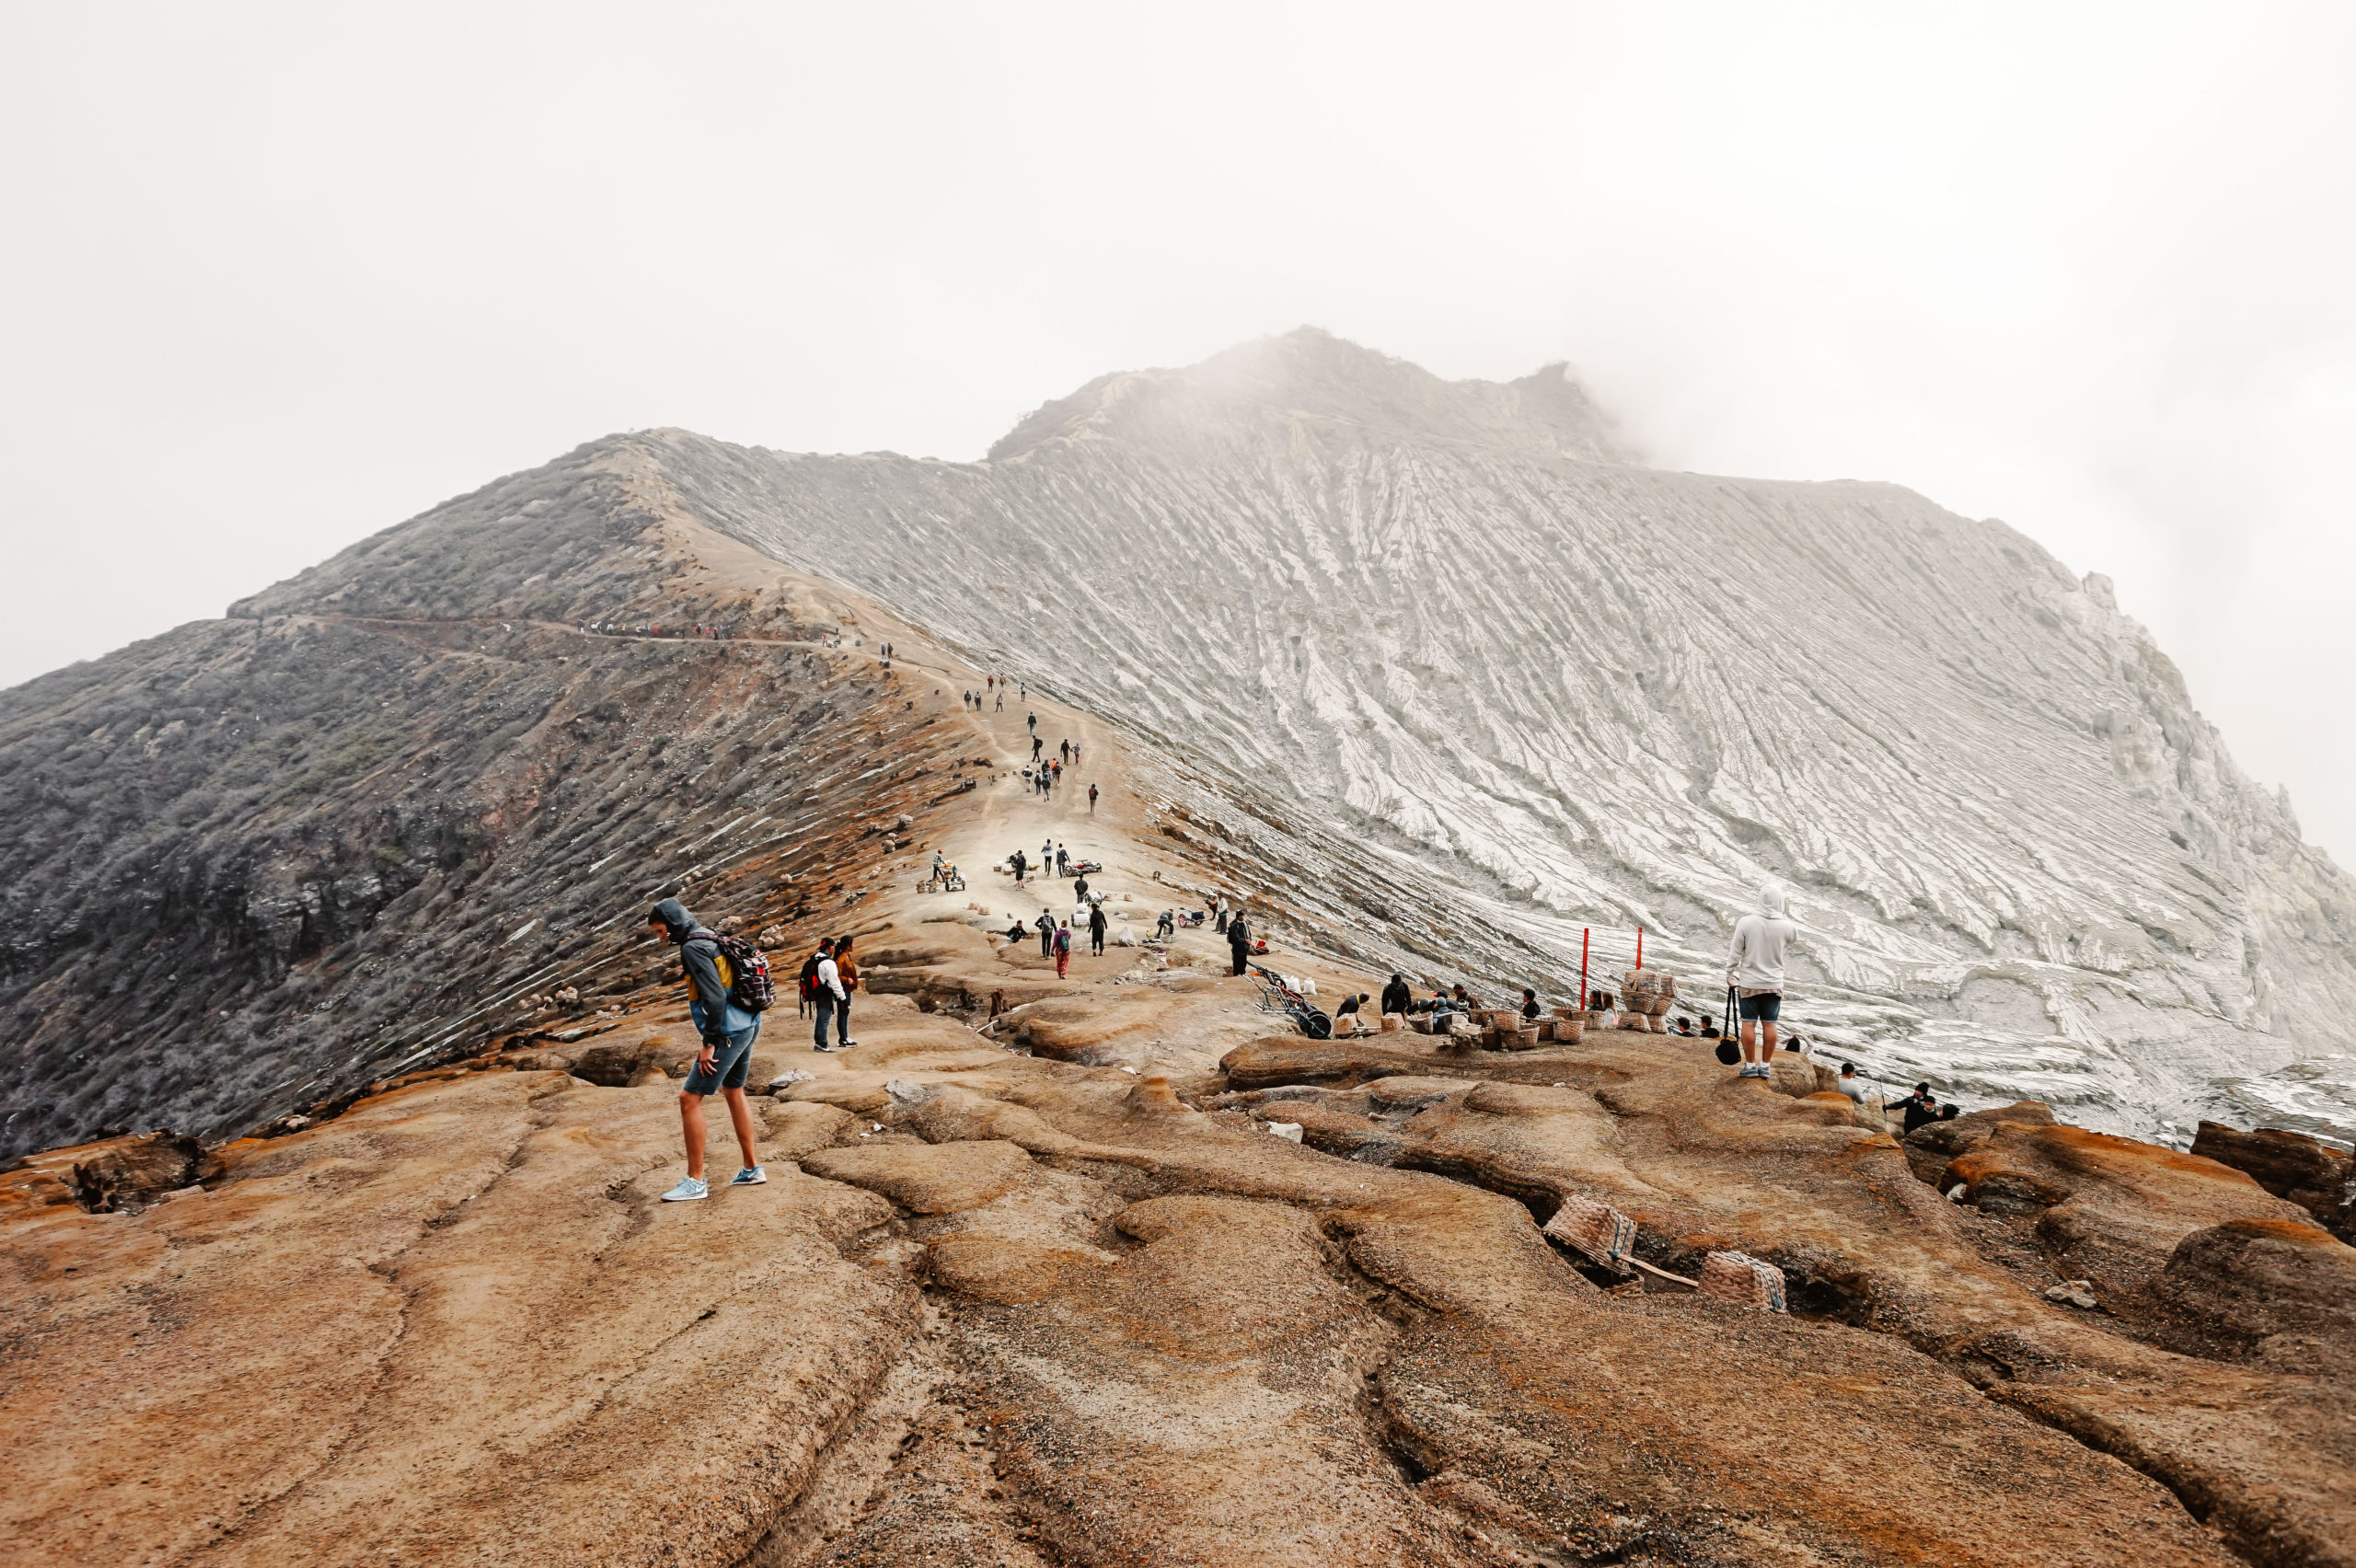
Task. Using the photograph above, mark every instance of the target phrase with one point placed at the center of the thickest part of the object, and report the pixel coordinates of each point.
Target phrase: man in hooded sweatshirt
(728, 1034)
(1755, 971)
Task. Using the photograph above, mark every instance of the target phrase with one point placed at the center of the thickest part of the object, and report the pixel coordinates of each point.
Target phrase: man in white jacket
(1755, 970)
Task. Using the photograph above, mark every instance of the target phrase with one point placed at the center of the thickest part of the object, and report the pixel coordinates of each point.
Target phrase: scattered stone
(2075, 1293)
(1290, 1131)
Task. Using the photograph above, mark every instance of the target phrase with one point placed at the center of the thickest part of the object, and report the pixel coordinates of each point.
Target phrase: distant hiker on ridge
(727, 1032)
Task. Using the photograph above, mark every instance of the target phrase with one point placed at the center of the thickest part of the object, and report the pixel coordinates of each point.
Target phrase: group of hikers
(728, 987)
(705, 630)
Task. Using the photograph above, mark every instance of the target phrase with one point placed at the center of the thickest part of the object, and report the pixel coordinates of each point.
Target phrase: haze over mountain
(1455, 615)
(1438, 664)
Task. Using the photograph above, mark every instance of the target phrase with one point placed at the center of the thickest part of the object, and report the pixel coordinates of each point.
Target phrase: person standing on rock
(827, 996)
(728, 1034)
(1755, 971)
(1238, 942)
(1096, 930)
(1063, 950)
(847, 977)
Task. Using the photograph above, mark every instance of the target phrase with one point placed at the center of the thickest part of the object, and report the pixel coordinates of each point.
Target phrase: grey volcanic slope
(1436, 660)
(1448, 618)
(258, 861)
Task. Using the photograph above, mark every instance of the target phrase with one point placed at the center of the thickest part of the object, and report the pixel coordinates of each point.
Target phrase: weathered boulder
(2248, 1280)
(2316, 1177)
(115, 1174)
(1931, 1148)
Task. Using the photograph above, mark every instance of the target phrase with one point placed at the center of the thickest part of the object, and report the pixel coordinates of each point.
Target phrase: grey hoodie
(1755, 958)
(700, 958)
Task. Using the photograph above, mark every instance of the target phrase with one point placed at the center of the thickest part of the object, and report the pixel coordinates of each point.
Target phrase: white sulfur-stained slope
(1453, 626)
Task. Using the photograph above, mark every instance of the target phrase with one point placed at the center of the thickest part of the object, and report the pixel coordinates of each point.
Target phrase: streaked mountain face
(1439, 672)
(1452, 619)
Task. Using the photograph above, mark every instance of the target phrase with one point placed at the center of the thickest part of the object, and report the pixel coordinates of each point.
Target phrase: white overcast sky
(276, 276)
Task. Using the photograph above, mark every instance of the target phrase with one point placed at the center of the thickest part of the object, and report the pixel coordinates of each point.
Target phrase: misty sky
(277, 276)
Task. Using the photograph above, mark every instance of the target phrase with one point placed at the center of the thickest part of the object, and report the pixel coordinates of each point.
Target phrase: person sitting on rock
(1014, 932)
(1858, 1089)
(1918, 1107)
(728, 1034)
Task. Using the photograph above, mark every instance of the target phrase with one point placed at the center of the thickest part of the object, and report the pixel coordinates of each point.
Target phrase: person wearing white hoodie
(1755, 971)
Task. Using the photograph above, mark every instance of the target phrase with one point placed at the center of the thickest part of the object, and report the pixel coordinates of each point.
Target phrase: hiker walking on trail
(1018, 862)
(1036, 746)
(1091, 799)
(1001, 701)
(1063, 862)
(1046, 925)
(1096, 930)
(1755, 971)
(1063, 950)
(1238, 942)
(1063, 750)
(1033, 720)
(728, 1032)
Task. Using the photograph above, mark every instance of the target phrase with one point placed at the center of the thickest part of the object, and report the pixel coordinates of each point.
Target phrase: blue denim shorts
(1767, 1006)
(730, 1064)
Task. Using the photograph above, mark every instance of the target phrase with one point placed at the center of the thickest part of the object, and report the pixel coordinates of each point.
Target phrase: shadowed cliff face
(260, 861)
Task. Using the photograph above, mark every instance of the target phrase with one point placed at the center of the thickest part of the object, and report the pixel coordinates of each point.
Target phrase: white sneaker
(690, 1190)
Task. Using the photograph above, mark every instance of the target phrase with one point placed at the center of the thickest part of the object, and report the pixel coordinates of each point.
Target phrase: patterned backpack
(746, 968)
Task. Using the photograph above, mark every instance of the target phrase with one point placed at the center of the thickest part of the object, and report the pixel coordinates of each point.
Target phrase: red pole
(1640, 947)
(1584, 934)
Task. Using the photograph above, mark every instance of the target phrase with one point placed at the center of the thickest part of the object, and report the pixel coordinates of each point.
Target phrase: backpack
(1063, 940)
(745, 970)
(809, 976)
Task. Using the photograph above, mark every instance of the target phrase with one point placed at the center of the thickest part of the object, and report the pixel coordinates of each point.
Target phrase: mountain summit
(1310, 385)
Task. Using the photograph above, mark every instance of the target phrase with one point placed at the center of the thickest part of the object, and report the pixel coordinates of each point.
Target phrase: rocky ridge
(1031, 1283)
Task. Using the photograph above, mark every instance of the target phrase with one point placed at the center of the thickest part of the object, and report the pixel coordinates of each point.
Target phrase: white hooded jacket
(1755, 958)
